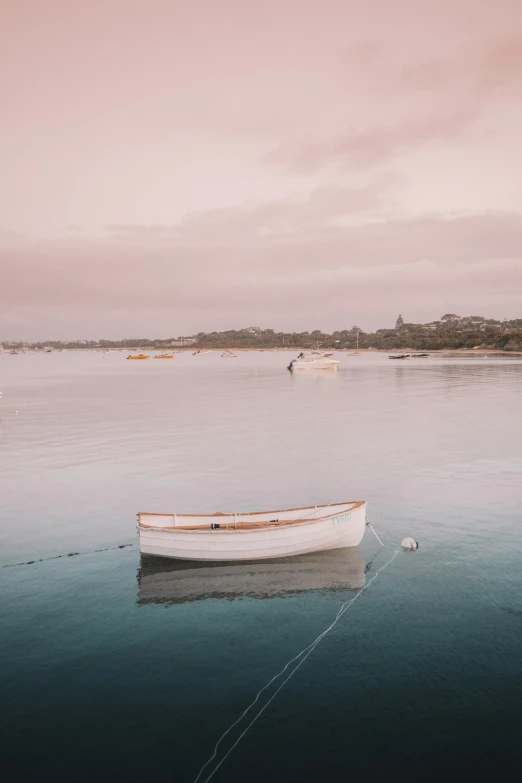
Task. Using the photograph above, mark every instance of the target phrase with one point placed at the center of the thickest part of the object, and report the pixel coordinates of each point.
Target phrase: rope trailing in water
(69, 554)
(303, 655)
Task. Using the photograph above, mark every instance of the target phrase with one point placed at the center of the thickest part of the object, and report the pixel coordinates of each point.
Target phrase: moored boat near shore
(311, 362)
(164, 356)
(138, 356)
(252, 536)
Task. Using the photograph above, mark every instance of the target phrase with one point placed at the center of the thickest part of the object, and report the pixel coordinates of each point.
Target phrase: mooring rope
(68, 554)
(303, 655)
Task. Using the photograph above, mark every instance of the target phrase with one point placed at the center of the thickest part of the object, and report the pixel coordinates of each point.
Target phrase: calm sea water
(112, 669)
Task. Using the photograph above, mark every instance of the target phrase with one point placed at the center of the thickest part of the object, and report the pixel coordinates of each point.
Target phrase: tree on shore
(450, 318)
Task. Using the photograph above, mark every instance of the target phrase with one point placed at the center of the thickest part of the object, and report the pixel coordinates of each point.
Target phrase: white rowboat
(255, 536)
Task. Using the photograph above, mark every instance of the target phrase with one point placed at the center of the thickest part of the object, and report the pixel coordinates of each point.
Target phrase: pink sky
(174, 166)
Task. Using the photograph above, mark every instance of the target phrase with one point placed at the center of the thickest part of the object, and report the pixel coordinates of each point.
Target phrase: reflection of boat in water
(252, 536)
(163, 581)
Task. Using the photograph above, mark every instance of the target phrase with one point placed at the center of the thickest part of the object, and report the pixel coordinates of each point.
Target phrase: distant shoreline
(452, 335)
(390, 351)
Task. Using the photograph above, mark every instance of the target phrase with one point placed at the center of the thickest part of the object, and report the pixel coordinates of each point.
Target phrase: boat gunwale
(246, 527)
(255, 513)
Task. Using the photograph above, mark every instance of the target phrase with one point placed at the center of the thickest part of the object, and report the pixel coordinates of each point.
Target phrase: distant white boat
(228, 355)
(312, 362)
(255, 536)
(201, 353)
(315, 355)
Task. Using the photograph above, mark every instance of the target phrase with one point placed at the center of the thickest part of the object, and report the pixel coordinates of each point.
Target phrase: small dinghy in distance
(254, 536)
(138, 356)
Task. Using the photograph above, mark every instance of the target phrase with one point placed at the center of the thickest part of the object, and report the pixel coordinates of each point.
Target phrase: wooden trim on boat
(354, 503)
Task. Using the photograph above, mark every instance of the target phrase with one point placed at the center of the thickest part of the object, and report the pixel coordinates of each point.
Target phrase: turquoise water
(113, 669)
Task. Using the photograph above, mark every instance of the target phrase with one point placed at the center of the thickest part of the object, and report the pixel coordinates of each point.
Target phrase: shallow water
(109, 672)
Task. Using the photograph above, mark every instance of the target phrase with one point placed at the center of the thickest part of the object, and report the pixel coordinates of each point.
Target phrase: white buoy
(409, 544)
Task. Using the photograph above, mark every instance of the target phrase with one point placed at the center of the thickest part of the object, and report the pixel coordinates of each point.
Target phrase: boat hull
(319, 531)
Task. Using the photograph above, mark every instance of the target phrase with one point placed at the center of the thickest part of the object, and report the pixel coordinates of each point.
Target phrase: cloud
(500, 67)
(178, 283)
(449, 97)
(490, 66)
(435, 74)
(373, 145)
(13, 319)
(271, 218)
(8, 237)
